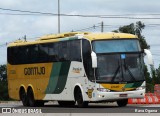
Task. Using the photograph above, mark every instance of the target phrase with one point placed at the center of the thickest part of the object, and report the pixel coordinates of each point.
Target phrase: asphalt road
(53, 107)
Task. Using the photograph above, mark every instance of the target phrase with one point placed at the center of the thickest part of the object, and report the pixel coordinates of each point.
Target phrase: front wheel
(122, 103)
(79, 99)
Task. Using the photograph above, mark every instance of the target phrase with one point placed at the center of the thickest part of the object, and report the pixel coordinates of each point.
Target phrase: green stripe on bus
(133, 85)
(62, 77)
(53, 78)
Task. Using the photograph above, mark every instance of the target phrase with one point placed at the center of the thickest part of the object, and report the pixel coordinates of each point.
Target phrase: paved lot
(93, 109)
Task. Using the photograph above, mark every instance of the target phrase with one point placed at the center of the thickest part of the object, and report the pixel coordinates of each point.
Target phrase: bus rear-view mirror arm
(94, 60)
(149, 56)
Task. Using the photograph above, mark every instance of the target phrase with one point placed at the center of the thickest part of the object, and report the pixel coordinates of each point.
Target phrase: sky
(13, 27)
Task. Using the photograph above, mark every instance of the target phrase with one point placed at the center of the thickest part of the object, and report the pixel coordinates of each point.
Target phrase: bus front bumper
(113, 96)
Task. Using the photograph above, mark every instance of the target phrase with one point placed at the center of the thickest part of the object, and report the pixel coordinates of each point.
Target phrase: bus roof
(110, 35)
(74, 35)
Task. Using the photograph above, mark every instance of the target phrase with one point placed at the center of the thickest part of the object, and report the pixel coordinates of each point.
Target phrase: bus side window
(63, 51)
(22, 57)
(11, 55)
(75, 50)
(43, 53)
(86, 48)
(53, 52)
(33, 53)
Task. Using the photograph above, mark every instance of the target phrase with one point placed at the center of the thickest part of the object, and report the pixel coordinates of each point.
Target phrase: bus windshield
(118, 61)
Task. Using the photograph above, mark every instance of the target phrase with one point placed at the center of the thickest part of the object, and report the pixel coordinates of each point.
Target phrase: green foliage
(135, 29)
(4, 91)
(156, 75)
(149, 88)
(3, 72)
(3, 83)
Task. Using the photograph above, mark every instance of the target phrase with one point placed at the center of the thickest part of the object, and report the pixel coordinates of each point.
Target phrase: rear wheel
(79, 99)
(122, 103)
(23, 97)
(31, 99)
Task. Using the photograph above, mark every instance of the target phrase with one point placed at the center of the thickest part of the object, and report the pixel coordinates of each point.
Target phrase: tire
(122, 103)
(79, 99)
(31, 99)
(23, 97)
(66, 103)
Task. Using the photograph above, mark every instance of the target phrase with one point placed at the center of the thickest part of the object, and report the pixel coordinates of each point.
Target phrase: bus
(77, 69)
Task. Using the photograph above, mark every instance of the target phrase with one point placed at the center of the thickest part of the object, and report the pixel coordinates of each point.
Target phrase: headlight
(103, 90)
(140, 88)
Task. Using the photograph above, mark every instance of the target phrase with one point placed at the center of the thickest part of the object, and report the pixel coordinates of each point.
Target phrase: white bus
(77, 68)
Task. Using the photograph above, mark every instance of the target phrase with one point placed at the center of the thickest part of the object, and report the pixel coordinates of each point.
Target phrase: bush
(4, 91)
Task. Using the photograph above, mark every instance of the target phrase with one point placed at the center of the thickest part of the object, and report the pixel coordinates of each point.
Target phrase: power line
(88, 28)
(37, 12)
(26, 11)
(16, 14)
(124, 16)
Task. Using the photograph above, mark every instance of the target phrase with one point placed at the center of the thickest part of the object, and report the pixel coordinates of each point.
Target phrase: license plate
(123, 95)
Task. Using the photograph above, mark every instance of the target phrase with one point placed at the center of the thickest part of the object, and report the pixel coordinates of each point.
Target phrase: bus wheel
(122, 103)
(23, 97)
(31, 99)
(66, 103)
(79, 99)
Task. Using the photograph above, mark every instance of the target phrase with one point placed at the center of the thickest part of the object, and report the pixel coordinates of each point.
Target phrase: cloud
(10, 3)
(14, 27)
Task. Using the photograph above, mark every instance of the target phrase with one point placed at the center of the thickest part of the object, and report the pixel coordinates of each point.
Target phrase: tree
(3, 83)
(3, 72)
(135, 29)
(157, 75)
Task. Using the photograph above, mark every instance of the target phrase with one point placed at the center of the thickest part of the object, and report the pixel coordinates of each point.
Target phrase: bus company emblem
(76, 70)
(89, 92)
(123, 89)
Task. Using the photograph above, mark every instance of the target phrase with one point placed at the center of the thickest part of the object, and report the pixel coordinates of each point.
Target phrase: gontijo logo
(76, 70)
(34, 71)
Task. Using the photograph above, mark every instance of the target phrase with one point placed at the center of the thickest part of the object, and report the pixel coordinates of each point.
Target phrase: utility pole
(59, 16)
(102, 25)
(25, 38)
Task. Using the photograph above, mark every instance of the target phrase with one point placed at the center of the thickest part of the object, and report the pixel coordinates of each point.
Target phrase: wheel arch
(78, 86)
(21, 88)
(32, 88)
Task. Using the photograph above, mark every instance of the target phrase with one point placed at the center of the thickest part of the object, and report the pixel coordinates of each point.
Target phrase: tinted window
(111, 46)
(75, 50)
(48, 52)
(86, 50)
(43, 53)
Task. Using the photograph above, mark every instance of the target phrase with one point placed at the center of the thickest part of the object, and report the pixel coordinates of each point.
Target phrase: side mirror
(94, 60)
(149, 56)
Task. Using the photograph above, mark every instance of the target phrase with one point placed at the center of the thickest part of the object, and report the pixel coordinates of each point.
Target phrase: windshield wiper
(115, 74)
(126, 67)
